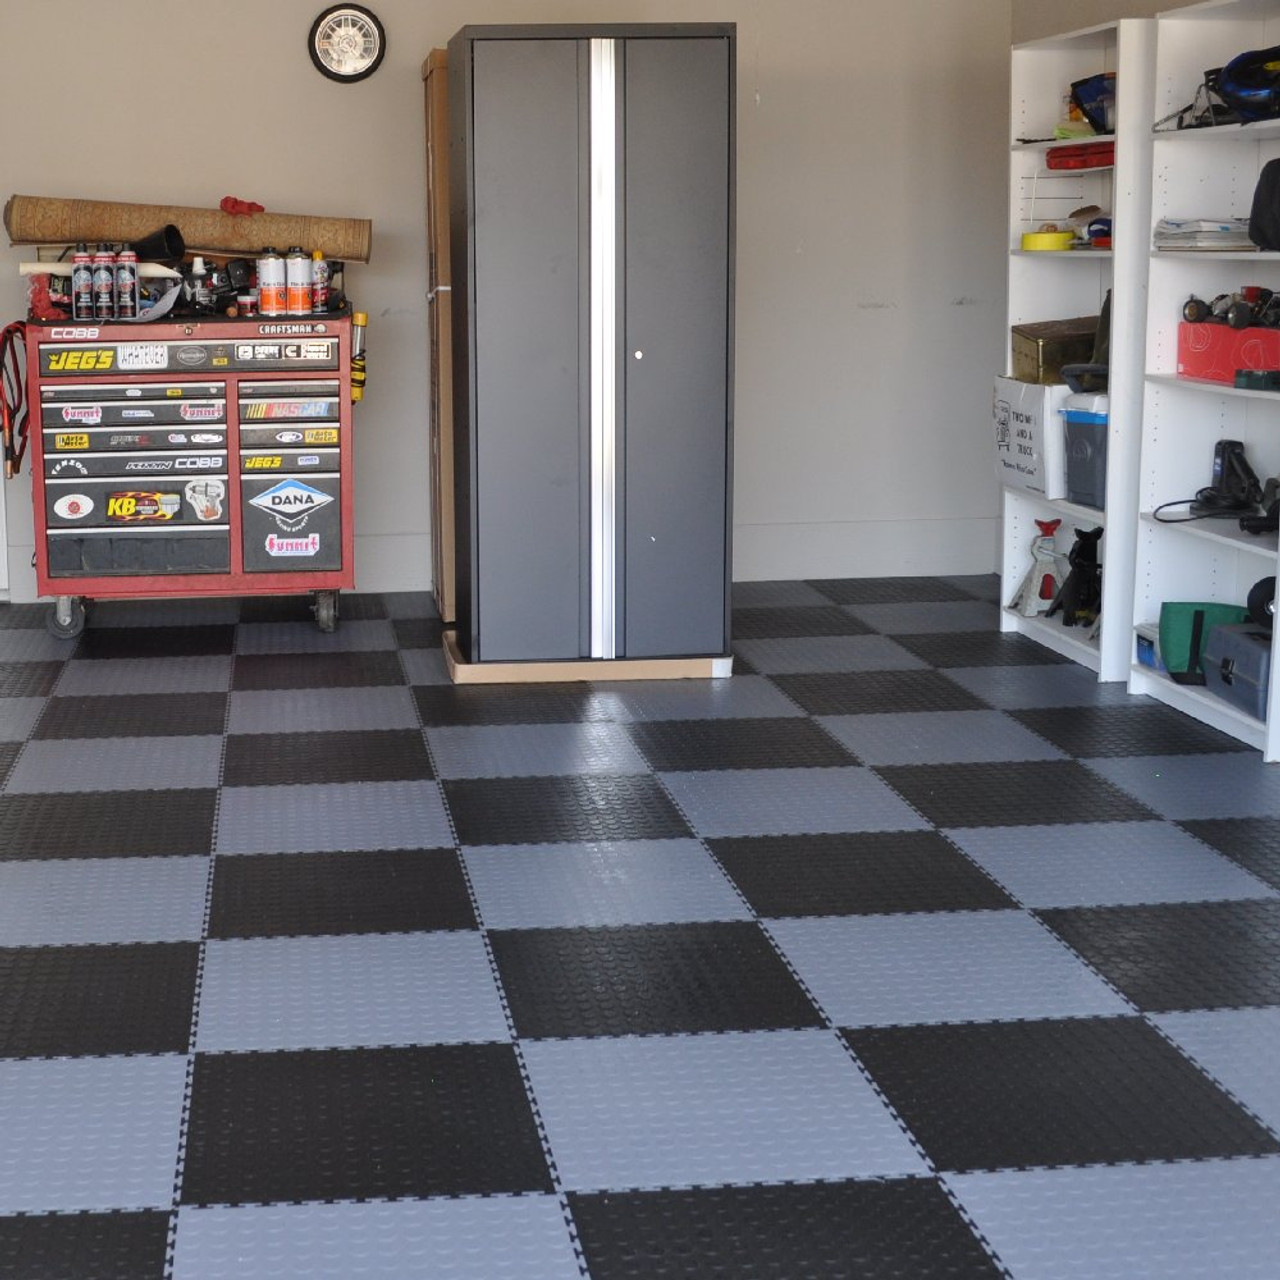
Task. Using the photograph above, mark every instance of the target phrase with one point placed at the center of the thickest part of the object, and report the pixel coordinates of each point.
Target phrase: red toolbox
(1216, 351)
(197, 458)
(1081, 155)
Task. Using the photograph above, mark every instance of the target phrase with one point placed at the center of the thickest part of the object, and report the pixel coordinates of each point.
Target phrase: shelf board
(1070, 642)
(1072, 511)
(1210, 386)
(1094, 254)
(1212, 255)
(1258, 131)
(1224, 532)
(1198, 702)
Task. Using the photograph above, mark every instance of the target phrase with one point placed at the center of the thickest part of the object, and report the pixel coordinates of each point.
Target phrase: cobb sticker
(133, 507)
(205, 498)
(291, 502)
(73, 506)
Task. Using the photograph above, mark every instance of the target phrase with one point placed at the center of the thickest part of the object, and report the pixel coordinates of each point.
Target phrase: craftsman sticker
(307, 546)
(205, 498)
(73, 506)
(134, 507)
(70, 442)
(320, 435)
(291, 502)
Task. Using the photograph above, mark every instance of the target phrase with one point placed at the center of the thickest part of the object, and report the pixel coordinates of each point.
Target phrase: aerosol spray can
(126, 284)
(297, 271)
(359, 322)
(104, 283)
(272, 293)
(319, 282)
(82, 283)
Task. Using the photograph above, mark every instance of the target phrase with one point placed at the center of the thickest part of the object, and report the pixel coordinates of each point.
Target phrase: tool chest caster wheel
(66, 618)
(326, 610)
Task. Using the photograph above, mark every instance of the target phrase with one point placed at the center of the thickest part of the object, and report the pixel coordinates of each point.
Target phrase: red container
(1081, 155)
(1216, 351)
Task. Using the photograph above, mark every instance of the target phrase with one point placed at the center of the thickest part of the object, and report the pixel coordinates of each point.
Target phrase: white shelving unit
(1060, 285)
(1203, 173)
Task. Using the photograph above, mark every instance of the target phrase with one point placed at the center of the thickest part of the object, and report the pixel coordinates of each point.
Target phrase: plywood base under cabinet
(463, 672)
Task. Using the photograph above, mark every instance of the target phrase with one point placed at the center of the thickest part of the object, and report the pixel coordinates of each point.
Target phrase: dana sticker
(205, 498)
(320, 435)
(73, 506)
(277, 546)
(200, 412)
(291, 502)
(70, 442)
(90, 414)
(133, 507)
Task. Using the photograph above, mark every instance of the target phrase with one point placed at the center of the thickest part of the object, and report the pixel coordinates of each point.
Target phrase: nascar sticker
(289, 409)
(291, 502)
(205, 498)
(73, 506)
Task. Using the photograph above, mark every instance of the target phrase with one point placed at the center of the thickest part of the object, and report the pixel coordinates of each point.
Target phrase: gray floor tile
(770, 802)
(203, 674)
(305, 710)
(353, 636)
(790, 655)
(532, 750)
(101, 764)
(1192, 1221)
(963, 966)
(348, 992)
(489, 1238)
(1105, 863)
(27, 645)
(89, 1133)
(917, 618)
(53, 902)
(710, 1109)
(641, 882)
(424, 666)
(1231, 785)
(18, 717)
(756, 595)
(938, 737)
(1239, 1048)
(358, 815)
(1065, 685)
(696, 699)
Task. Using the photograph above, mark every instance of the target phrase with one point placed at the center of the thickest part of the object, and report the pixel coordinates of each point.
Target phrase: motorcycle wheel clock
(347, 43)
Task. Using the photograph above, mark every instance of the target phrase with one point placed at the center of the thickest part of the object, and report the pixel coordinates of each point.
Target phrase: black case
(1237, 666)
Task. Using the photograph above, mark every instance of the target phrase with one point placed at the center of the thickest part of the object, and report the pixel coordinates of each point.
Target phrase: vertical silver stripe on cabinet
(604, 312)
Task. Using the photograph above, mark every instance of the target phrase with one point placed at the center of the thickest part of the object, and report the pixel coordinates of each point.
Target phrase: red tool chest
(195, 458)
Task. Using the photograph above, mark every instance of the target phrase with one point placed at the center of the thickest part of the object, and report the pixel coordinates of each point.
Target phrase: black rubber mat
(859, 874)
(21, 617)
(513, 704)
(72, 1001)
(84, 1246)
(978, 649)
(840, 693)
(8, 754)
(1253, 843)
(140, 715)
(318, 671)
(768, 621)
(107, 824)
(1003, 1095)
(555, 810)
(881, 1229)
(1184, 955)
(642, 979)
(1094, 732)
(382, 891)
(733, 743)
(348, 755)
(418, 633)
(343, 1124)
(887, 590)
(351, 607)
(156, 642)
(1011, 794)
(28, 679)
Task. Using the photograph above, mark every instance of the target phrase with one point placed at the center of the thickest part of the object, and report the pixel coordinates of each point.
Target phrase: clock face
(347, 43)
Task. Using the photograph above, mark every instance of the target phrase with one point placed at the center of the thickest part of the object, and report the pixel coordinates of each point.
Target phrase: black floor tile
(1253, 843)
(84, 1246)
(978, 649)
(1011, 794)
(28, 679)
(883, 1229)
(738, 743)
(316, 670)
(1003, 1095)
(8, 754)
(156, 642)
(887, 590)
(1183, 955)
(1094, 732)
(107, 824)
(840, 693)
(352, 606)
(78, 1001)
(764, 622)
(349, 755)
(23, 617)
(140, 715)
(383, 891)
(341, 1124)
(418, 633)
(644, 979)
(560, 809)
(863, 874)
(576, 703)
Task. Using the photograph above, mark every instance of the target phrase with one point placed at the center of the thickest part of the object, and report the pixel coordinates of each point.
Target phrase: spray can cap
(317, 255)
(360, 318)
(197, 265)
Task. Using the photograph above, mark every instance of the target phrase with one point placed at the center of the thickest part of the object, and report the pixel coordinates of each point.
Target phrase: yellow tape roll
(1041, 241)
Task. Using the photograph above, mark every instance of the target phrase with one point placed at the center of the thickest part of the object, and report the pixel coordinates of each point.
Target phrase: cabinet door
(675, 363)
(528, 472)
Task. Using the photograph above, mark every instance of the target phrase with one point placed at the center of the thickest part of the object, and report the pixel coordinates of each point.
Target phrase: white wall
(870, 268)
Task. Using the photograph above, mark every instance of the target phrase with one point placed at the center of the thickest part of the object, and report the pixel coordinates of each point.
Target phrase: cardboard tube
(49, 220)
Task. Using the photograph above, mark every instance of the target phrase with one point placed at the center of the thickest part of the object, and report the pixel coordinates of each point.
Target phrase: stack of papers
(1224, 234)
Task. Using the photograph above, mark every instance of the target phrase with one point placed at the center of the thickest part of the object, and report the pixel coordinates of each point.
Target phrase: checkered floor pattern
(909, 951)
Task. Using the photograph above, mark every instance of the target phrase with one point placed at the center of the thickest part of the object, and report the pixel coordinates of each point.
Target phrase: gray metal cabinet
(591, 226)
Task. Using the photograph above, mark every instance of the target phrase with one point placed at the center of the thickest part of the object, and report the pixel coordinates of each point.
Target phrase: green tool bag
(1184, 630)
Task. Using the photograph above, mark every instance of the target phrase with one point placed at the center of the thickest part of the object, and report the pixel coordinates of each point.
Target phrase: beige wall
(871, 206)
(1033, 19)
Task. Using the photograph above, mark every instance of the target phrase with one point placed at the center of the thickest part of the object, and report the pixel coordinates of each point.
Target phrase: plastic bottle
(358, 323)
(319, 282)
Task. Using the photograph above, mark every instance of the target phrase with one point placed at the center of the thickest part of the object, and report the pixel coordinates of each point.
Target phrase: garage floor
(910, 951)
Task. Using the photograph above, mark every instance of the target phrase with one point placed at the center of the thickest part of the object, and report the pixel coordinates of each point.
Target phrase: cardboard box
(1041, 349)
(1029, 437)
(1216, 351)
